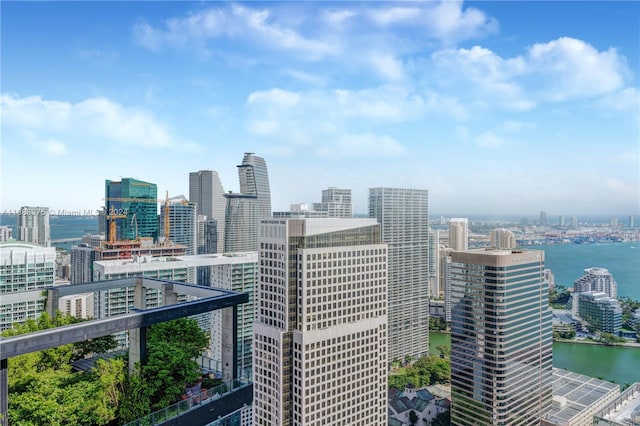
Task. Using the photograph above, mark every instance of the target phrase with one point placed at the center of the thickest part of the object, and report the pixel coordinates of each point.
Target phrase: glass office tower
(501, 341)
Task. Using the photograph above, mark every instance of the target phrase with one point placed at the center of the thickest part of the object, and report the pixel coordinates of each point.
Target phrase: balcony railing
(204, 397)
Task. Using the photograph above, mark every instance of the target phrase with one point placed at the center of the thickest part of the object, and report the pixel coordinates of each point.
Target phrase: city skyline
(479, 103)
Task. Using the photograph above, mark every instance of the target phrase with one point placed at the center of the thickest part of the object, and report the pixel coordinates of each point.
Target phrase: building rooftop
(574, 393)
(624, 408)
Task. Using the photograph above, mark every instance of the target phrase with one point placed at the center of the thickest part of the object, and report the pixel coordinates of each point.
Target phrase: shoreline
(591, 342)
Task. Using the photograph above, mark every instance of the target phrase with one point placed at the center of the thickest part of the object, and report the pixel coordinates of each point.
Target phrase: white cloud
(387, 66)
(627, 99)
(337, 17)
(274, 97)
(92, 119)
(557, 71)
(260, 27)
(53, 147)
(446, 21)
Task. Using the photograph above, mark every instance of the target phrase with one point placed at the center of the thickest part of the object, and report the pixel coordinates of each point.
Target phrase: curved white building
(596, 279)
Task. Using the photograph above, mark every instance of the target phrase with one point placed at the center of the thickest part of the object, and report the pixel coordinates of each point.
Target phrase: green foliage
(559, 297)
(427, 370)
(445, 351)
(442, 419)
(413, 418)
(567, 335)
(437, 324)
(610, 339)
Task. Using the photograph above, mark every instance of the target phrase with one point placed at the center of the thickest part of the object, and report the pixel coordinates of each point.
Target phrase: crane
(166, 201)
(112, 225)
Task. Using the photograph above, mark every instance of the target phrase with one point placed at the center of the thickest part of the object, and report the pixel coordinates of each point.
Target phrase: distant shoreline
(593, 342)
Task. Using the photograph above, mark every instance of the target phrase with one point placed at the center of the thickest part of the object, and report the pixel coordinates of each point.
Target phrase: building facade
(596, 279)
(459, 233)
(23, 267)
(82, 258)
(183, 227)
(601, 312)
(403, 215)
(6, 233)
(501, 338)
(503, 238)
(33, 225)
(133, 205)
(205, 189)
(245, 210)
(320, 335)
(335, 202)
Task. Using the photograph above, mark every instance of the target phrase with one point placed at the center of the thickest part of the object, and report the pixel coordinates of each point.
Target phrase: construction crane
(166, 201)
(112, 225)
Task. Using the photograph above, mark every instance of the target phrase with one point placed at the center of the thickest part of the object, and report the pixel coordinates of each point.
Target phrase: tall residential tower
(403, 215)
(246, 209)
(205, 189)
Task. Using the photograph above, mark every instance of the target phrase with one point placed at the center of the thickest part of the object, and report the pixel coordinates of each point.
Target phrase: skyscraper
(33, 225)
(133, 205)
(501, 360)
(459, 233)
(403, 215)
(503, 238)
(336, 202)
(245, 209)
(205, 189)
(82, 258)
(320, 335)
(543, 218)
(182, 223)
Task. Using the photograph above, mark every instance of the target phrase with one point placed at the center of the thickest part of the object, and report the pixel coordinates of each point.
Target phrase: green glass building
(133, 205)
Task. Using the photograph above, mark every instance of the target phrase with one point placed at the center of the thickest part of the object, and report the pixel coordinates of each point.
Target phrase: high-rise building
(574, 221)
(133, 205)
(320, 335)
(82, 258)
(543, 218)
(459, 233)
(403, 215)
(6, 233)
(23, 267)
(501, 359)
(561, 220)
(596, 279)
(613, 222)
(336, 202)
(444, 277)
(33, 225)
(205, 189)
(503, 238)
(182, 223)
(631, 221)
(246, 209)
(434, 265)
(238, 272)
(601, 312)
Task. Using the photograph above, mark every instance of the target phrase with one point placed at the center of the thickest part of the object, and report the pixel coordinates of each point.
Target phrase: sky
(494, 107)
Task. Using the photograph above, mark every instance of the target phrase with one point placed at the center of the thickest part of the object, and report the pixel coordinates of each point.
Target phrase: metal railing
(204, 397)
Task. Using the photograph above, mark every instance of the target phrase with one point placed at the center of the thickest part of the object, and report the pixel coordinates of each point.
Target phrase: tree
(442, 419)
(445, 351)
(413, 417)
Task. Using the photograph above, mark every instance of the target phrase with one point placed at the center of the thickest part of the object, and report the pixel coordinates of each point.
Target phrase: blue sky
(495, 107)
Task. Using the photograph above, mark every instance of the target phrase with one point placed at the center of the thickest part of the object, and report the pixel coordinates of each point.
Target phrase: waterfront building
(459, 233)
(205, 189)
(82, 258)
(33, 225)
(501, 340)
(182, 223)
(561, 221)
(576, 398)
(624, 410)
(503, 238)
(335, 202)
(403, 215)
(596, 279)
(574, 222)
(601, 312)
(320, 334)
(631, 222)
(543, 218)
(132, 204)
(245, 209)
(550, 278)
(23, 267)
(6, 233)
(613, 222)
